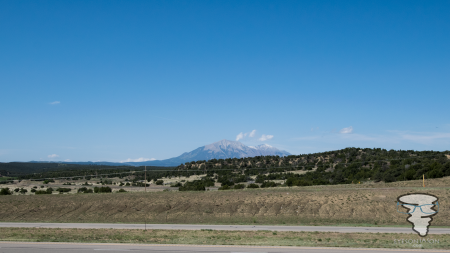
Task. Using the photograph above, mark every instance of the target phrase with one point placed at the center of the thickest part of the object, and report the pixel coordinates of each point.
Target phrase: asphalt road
(407, 230)
(12, 247)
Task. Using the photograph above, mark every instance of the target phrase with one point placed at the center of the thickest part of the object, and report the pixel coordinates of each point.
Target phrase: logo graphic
(420, 207)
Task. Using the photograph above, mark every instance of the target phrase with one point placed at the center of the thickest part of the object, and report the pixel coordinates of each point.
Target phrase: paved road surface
(433, 230)
(11, 247)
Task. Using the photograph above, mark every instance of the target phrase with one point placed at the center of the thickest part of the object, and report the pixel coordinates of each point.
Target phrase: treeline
(78, 172)
(333, 167)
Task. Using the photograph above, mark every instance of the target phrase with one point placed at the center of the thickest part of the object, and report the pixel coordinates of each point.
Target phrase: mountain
(219, 150)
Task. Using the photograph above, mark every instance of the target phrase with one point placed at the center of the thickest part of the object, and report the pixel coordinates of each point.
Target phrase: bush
(23, 191)
(225, 187)
(5, 191)
(17, 190)
(178, 184)
(102, 189)
(33, 190)
(239, 186)
(46, 181)
(121, 190)
(252, 186)
(61, 190)
(85, 190)
(268, 184)
(48, 191)
(159, 182)
(196, 185)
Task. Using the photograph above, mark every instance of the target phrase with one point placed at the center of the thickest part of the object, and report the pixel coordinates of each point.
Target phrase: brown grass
(212, 237)
(361, 204)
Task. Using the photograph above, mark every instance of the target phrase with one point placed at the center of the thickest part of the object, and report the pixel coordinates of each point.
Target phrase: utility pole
(145, 179)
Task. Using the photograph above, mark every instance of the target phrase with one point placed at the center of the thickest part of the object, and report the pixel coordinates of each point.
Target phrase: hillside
(333, 167)
(373, 204)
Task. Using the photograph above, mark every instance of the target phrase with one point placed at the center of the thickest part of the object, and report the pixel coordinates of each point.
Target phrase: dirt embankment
(300, 205)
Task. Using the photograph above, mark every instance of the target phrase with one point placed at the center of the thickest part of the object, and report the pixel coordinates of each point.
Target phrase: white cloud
(346, 130)
(240, 136)
(137, 160)
(426, 138)
(265, 137)
(67, 160)
(55, 103)
(53, 156)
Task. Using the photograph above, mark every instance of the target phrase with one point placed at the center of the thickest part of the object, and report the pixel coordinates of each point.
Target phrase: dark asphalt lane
(28, 247)
(406, 230)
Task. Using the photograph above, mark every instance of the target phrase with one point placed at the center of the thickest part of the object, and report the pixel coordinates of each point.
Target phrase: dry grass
(365, 204)
(213, 237)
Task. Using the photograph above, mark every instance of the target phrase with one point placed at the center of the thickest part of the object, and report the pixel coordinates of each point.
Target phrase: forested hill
(61, 169)
(334, 167)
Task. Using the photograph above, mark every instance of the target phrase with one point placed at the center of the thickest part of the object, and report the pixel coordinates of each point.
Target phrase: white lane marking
(114, 249)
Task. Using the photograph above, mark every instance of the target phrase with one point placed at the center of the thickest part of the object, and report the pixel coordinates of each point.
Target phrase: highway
(407, 230)
(42, 247)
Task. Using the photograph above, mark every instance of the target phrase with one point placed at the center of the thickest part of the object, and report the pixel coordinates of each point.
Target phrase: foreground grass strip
(216, 237)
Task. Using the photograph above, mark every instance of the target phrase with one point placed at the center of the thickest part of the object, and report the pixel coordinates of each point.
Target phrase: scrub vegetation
(351, 204)
(216, 237)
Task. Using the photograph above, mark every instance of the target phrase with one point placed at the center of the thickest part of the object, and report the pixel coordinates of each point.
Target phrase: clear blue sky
(117, 80)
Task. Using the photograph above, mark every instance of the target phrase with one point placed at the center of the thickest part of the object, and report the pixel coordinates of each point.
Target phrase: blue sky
(118, 80)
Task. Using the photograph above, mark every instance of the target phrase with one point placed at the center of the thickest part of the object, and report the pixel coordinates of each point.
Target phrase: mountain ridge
(222, 149)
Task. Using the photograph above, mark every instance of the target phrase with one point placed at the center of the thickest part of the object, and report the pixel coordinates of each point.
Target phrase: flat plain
(371, 204)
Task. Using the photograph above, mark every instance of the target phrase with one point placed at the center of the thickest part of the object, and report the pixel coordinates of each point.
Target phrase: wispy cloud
(425, 138)
(137, 160)
(53, 156)
(265, 137)
(55, 103)
(242, 135)
(346, 130)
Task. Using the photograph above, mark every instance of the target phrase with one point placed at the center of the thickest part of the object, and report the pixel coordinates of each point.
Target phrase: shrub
(85, 190)
(61, 190)
(268, 184)
(17, 190)
(178, 184)
(48, 191)
(196, 185)
(46, 181)
(23, 191)
(159, 182)
(239, 186)
(121, 190)
(33, 190)
(5, 191)
(102, 189)
(225, 187)
(252, 186)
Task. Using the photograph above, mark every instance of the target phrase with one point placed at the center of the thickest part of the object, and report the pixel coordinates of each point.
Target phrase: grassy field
(358, 204)
(213, 237)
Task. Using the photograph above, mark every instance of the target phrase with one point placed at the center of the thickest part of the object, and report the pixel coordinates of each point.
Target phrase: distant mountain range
(219, 150)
